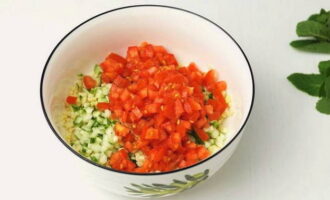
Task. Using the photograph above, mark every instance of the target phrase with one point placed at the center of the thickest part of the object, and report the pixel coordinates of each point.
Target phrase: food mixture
(145, 113)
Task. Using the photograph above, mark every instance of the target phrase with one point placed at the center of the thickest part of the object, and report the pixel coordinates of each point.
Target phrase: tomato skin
(89, 82)
(71, 100)
(103, 106)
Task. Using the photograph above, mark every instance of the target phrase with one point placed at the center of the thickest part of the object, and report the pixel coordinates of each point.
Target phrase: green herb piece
(93, 158)
(92, 140)
(196, 137)
(327, 87)
(311, 45)
(323, 17)
(324, 67)
(323, 106)
(215, 123)
(76, 108)
(80, 75)
(313, 29)
(97, 70)
(322, 91)
(309, 83)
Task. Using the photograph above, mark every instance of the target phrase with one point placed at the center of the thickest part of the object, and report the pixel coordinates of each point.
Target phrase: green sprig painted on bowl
(160, 190)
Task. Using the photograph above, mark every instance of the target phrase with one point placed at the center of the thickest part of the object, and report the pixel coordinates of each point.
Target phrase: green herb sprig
(317, 28)
(315, 85)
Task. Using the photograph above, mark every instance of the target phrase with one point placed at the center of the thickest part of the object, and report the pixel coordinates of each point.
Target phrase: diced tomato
(121, 82)
(194, 105)
(108, 77)
(136, 111)
(133, 52)
(125, 95)
(152, 108)
(209, 109)
(201, 122)
(221, 85)
(120, 161)
(89, 82)
(187, 107)
(209, 79)
(157, 103)
(151, 133)
(202, 134)
(178, 108)
(121, 130)
(102, 106)
(117, 58)
(202, 152)
(71, 100)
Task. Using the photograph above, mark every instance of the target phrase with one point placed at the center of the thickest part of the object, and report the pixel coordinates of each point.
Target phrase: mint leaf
(324, 67)
(323, 106)
(322, 90)
(327, 87)
(309, 83)
(313, 29)
(311, 45)
(323, 17)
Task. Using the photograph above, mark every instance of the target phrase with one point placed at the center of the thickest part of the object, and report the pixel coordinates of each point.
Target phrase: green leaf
(324, 67)
(327, 87)
(322, 91)
(313, 29)
(311, 46)
(309, 83)
(75, 108)
(323, 17)
(323, 106)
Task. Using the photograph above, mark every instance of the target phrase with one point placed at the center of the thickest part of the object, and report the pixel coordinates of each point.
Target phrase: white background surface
(285, 153)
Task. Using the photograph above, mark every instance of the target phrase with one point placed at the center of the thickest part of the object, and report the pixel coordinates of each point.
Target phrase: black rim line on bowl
(130, 173)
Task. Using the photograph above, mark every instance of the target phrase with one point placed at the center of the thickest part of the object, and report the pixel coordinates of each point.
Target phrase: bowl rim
(133, 173)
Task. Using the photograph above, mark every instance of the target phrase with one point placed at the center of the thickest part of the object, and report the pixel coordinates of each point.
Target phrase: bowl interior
(188, 36)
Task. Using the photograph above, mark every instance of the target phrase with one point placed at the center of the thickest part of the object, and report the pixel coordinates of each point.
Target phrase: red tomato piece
(89, 82)
(202, 134)
(121, 130)
(102, 106)
(178, 108)
(71, 100)
(121, 82)
(117, 58)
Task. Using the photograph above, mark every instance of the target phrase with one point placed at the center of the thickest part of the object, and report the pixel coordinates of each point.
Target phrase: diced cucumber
(78, 121)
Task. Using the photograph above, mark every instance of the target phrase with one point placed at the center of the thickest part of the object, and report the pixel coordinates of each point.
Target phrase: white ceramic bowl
(190, 37)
